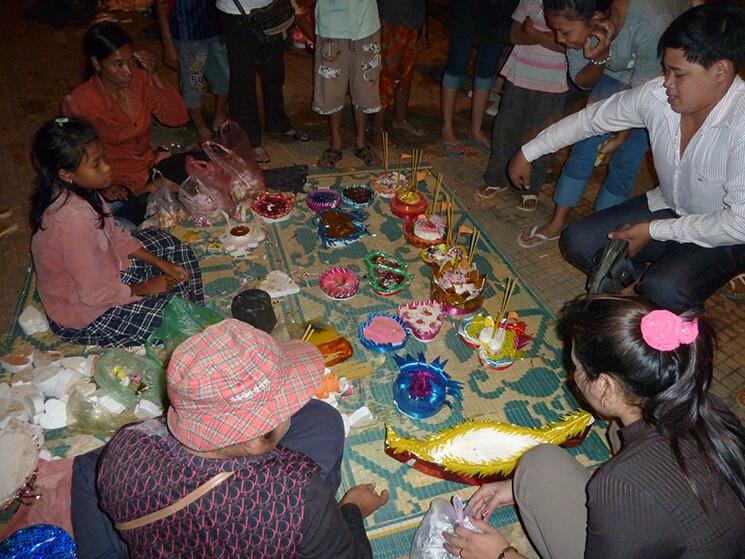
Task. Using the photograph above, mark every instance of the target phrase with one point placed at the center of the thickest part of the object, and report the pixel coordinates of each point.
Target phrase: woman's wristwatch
(505, 551)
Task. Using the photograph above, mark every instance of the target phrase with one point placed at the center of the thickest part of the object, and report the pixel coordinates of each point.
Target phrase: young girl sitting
(99, 285)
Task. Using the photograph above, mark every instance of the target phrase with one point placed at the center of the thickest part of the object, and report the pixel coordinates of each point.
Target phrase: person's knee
(329, 421)
(668, 292)
(536, 465)
(574, 245)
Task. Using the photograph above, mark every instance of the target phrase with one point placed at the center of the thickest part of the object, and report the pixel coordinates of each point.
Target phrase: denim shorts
(206, 58)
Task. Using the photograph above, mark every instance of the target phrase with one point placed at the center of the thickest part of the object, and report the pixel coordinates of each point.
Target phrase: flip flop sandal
(485, 191)
(736, 288)
(483, 145)
(329, 158)
(409, 128)
(454, 150)
(297, 135)
(534, 234)
(529, 203)
(5, 211)
(261, 156)
(367, 155)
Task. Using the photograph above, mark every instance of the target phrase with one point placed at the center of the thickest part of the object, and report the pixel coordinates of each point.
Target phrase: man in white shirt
(691, 228)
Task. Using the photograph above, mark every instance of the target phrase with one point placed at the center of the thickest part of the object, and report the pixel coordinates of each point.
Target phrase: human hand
(490, 497)
(472, 545)
(174, 271)
(157, 284)
(637, 235)
(527, 26)
(365, 497)
(115, 192)
(147, 60)
(170, 56)
(518, 170)
(604, 32)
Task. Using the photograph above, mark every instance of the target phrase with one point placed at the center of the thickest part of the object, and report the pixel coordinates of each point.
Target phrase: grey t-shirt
(633, 58)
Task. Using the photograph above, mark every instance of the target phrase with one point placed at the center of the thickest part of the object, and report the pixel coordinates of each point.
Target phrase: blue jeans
(680, 276)
(623, 167)
(198, 60)
(457, 65)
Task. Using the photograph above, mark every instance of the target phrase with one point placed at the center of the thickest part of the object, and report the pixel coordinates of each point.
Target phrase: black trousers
(247, 56)
(680, 276)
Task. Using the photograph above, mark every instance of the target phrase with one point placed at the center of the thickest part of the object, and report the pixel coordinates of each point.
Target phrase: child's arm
(525, 33)
(170, 54)
(173, 271)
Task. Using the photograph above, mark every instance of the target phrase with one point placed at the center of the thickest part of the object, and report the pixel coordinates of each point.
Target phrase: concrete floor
(39, 65)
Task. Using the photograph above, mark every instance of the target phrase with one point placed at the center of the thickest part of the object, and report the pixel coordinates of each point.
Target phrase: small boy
(533, 97)
(193, 45)
(347, 58)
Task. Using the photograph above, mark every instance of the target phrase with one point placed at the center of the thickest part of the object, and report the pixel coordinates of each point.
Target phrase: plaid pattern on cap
(232, 383)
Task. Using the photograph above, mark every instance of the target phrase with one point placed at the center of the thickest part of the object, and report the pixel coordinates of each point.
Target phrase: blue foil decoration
(422, 388)
(355, 219)
(40, 541)
(382, 347)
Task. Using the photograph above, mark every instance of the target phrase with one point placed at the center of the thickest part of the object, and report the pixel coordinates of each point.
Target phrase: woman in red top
(99, 284)
(118, 100)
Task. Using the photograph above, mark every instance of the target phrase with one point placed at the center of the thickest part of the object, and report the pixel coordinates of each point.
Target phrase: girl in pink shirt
(99, 284)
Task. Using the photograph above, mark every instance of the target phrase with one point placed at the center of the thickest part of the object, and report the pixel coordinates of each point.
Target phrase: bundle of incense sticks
(438, 184)
(449, 220)
(308, 333)
(472, 247)
(509, 287)
(385, 150)
(416, 160)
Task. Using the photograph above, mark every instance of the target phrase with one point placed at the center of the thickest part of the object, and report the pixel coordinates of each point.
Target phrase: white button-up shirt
(705, 187)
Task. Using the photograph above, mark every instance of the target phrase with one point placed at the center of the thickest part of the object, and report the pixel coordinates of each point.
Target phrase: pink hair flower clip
(665, 331)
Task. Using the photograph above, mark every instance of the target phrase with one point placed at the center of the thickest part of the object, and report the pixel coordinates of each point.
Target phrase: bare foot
(407, 127)
(204, 133)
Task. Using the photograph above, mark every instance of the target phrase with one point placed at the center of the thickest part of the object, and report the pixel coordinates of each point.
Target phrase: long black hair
(61, 144)
(671, 387)
(101, 41)
(582, 10)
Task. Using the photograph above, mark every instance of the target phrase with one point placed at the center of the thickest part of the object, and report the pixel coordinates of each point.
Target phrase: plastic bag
(163, 210)
(86, 415)
(211, 175)
(232, 136)
(442, 516)
(128, 378)
(246, 179)
(204, 204)
(181, 319)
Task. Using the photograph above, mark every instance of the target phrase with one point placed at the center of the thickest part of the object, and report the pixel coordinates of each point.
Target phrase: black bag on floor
(612, 269)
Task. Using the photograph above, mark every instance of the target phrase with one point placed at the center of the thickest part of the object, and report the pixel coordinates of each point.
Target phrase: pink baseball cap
(232, 383)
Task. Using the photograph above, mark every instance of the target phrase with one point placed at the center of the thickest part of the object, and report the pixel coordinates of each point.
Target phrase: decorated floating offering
(423, 318)
(339, 227)
(387, 274)
(425, 231)
(422, 388)
(321, 199)
(273, 208)
(358, 195)
(408, 203)
(459, 289)
(334, 347)
(388, 183)
(476, 452)
(20, 443)
(339, 282)
(383, 332)
(477, 332)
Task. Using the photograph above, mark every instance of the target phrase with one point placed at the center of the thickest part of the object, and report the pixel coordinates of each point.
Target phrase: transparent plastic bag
(442, 516)
(163, 209)
(204, 204)
(129, 378)
(88, 416)
(246, 179)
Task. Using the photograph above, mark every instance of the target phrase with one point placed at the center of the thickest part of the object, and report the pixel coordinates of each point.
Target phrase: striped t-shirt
(535, 67)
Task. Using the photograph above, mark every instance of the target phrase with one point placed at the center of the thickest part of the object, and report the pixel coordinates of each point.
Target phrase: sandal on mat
(485, 191)
(539, 239)
(529, 203)
(367, 155)
(454, 150)
(329, 158)
(484, 145)
(297, 135)
(261, 156)
(736, 288)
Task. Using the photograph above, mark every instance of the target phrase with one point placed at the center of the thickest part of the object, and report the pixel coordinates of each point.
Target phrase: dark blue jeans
(459, 56)
(680, 276)
(316, 430)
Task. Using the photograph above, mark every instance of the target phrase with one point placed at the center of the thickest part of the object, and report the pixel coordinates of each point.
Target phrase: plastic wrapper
(204, 204)
(163, 209)
(181, 320)
(128, 378)
(442, 516)
(246, 179)
(211, 175)
(88, 416)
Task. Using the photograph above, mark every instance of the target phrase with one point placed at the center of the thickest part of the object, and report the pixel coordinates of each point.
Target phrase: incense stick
(509, 287)
(308, 333)
(438, 183)
(385, 150)
(472, 247)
